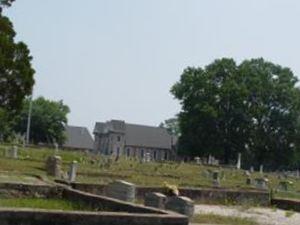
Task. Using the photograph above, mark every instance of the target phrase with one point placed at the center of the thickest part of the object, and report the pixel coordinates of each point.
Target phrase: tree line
(251, 108)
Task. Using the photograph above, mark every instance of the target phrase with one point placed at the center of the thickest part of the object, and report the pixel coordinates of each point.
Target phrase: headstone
(216, 179)
(147, 157)
(72, 171)
(209, 160)
(55, 148)
(239, 161)
(180, 204)
(53, 166)
(121, 190)
(261, 169)
(284, 185)
(261, 183)
(156, 200)
(197, 160)
(249, 180)
(251, 169)
(14, 152)
(247, 173)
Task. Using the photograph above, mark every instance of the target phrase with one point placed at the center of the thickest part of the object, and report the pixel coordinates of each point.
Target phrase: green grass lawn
(36, 203)
(217, 219)
(95, 169)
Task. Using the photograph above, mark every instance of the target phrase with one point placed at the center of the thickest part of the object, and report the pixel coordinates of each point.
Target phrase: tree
(48, 120)
(253, 108)
(16, 73)
(172, 126)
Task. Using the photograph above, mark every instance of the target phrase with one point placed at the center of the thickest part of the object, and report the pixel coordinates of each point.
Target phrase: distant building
(118, 138)
(78, 138)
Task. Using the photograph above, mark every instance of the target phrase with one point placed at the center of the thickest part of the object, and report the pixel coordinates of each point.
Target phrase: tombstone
(248, 180)
(261, 169)
(155, 199)
(284, 185)
(247, 173)
(14, 152)
(261, 183)
(251, 169)
(147, 157)
(121, 190)
(53, 166)
(180, 204)
(197, 160)
(216, 179)
(209, 160)
(72, 171)
(239, 161)
(55, 148)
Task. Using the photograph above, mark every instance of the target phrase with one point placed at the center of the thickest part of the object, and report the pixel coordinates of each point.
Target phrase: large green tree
(16, 73)
(48, 120)
(251, 108)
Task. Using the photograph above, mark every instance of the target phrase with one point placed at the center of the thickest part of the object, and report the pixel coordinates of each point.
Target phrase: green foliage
(251, 108)
(48, 120)
(172, 126)
(16, 72)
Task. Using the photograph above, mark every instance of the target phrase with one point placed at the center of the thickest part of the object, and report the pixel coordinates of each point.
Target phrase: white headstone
(261, 169)
(239, 161)
(147, 157)
(197, 160)
(56, 148)
(251, 169)
(121, 190)
(14, 152)
(73, 170)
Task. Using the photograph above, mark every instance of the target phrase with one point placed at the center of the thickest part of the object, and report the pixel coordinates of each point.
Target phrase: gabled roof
(78, 138)
(146, 136)
(138, 135)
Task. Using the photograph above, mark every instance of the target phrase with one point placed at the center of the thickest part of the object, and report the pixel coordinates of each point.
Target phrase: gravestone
(53, 166)
(261, 183)
(180, 204)
(249, 180)
(284, 185)
(121, 190)
(261, 169)
(147, 157)
(197, 160)
(156, 200)
(55, 148)
(72, 171)
(216, 179)
(239, 161)
(251, 169)
(209, 160)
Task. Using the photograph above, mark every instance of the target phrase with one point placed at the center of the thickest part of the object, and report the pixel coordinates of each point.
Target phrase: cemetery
(37, 184)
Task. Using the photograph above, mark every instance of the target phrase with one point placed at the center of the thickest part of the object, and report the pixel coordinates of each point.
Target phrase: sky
(118, 59)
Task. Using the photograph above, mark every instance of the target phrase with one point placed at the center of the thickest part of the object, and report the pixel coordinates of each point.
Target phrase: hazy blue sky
(118, 58)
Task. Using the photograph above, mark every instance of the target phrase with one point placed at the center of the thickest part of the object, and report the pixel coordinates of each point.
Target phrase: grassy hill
(97, 169)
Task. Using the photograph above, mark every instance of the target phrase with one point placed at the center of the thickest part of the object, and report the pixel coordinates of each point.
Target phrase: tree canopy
(48, 120)
(252, 108)
(16, 73)
(172, 126)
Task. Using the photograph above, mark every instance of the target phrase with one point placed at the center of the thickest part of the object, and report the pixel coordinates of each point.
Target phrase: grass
(96, 169)
(58, 204)
(217, 219)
